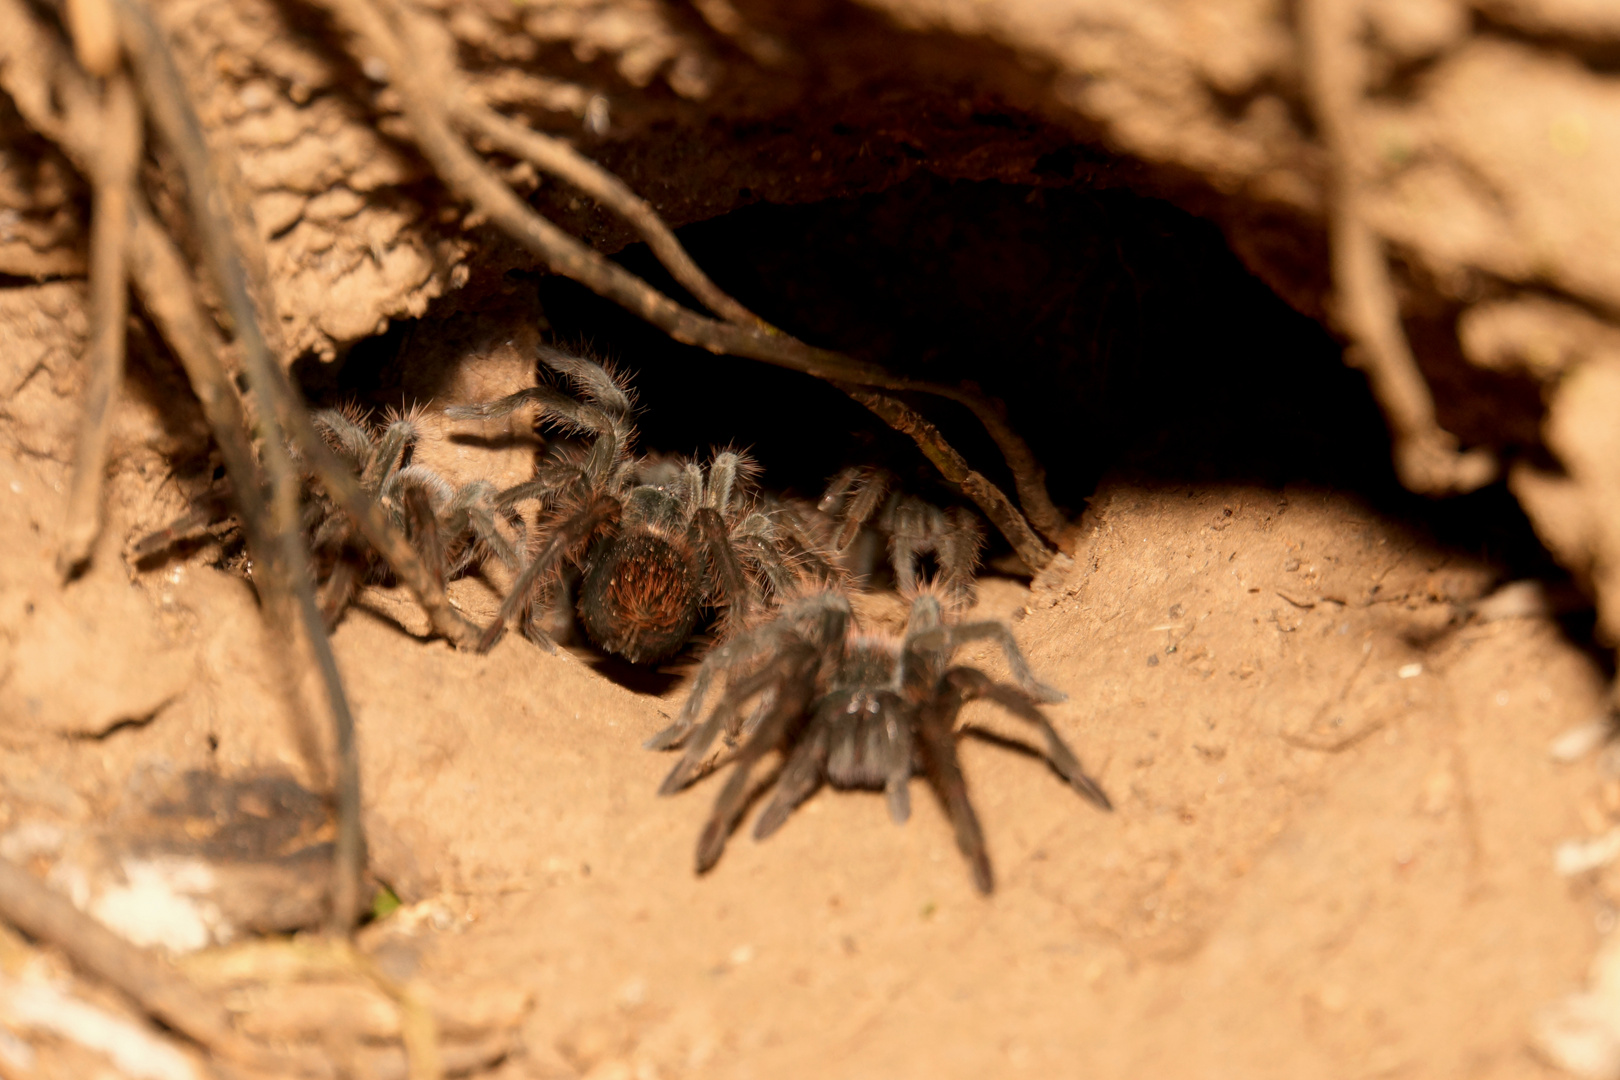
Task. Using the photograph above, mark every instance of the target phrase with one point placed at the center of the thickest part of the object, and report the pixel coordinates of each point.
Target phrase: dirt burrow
(1331, 852)
(1333, 848)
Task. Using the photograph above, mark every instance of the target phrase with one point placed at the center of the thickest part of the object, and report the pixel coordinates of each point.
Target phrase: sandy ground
(1332, 853)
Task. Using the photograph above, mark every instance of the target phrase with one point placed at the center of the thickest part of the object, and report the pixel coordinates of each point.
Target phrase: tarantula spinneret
(656, 543)
(855, 711)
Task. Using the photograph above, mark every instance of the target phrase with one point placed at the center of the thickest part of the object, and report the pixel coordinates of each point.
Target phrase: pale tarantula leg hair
(909, 536)
(897, 772)
(422, 528)
(801, 777)
(936, 744)
(837, 488)
(793, 670)
(347, 437)
(724, 569)
(533, 489)
(390, 454)
(866, 488)
(566, 536)
(807, 557)
(728, 472)
(472, 509)
(592, 379)
(759, 540)
(723, 718)
(971, 683)
(950, 638)
(830, 608)
(958, 549)
(554, 404)
(434, 486)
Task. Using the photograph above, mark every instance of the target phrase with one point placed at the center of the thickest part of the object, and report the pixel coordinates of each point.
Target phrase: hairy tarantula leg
(471, 503)
(549, 398)
(722, 719)
(800, 778)
(347, 437)
(903, 550)
(936, 741)
(734, 651)
(794, 672)
(592, 379)
(897, 774)
(868, 489)
(390, 454)
(958, 548)
(529, 489)
(838, 488)
(724, 569)
(971, 683)
(569, 534)
(422, 529)
(951, 638)
(212, 510)
(338, 590)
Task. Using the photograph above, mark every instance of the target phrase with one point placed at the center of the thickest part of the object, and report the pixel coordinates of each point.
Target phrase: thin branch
(58, 102)
(955, 468)
(112, 181)
(557, 158)
(1426, 457)
(173, 117)
(470, 178)
(145, 979)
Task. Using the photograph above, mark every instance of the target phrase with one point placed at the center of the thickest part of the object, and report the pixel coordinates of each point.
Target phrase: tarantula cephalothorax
(855, 711)
(656, 542)
(861, 497)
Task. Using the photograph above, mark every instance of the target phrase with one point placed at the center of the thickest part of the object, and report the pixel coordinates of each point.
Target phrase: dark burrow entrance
(1121, 332)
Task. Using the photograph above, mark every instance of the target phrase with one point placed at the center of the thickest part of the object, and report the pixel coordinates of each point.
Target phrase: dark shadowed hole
(1121, 332)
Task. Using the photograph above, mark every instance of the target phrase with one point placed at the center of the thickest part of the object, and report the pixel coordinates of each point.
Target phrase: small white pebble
(1410, 671)
(1501, 697)
(16, 488)
(597, 119)
(1575, 743)
(1578, 856)
(375, 69)
(741, 955)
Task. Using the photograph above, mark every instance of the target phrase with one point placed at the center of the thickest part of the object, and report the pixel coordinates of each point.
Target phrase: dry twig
(1426, 456)
(112, 176)
(145, 979)
(287, 567)
(377, 26)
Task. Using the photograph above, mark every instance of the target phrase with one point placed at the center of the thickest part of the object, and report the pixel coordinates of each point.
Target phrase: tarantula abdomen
(641, 596)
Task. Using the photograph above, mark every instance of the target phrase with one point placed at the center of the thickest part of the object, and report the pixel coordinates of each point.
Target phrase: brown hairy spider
(859, 497)
(856, 711)
(453, 529)
(656, 542)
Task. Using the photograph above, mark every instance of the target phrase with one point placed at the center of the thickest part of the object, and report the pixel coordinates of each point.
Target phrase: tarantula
(655, 542)
(453, 528)
(856, 711)
(858, 497)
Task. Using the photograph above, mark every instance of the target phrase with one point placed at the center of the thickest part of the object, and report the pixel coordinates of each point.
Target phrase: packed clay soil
(1331, 852)
(1323, 709)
